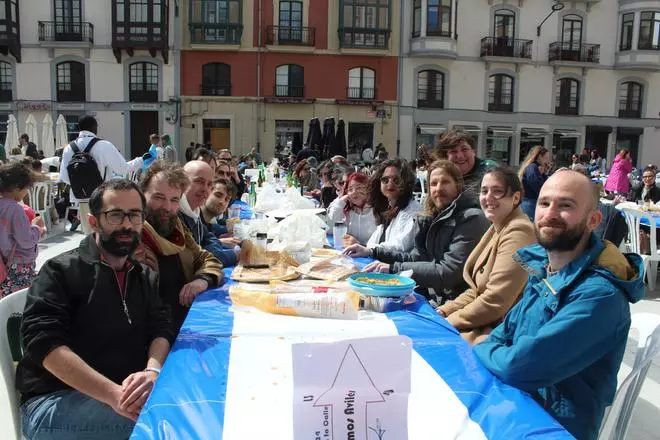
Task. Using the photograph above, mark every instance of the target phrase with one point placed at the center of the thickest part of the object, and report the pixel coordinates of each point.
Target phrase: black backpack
(84, 174)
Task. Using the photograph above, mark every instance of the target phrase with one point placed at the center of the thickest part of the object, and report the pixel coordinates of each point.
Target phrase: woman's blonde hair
(532, 157)
(453, 171)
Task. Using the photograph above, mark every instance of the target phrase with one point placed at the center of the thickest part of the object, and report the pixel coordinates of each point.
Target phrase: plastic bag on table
(302, 226)
(331, 269)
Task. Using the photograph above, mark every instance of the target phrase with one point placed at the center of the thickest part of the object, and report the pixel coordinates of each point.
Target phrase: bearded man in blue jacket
(564, 341)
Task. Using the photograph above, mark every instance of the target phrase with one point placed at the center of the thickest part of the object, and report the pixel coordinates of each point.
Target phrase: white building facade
(588, 78)
(108, 58)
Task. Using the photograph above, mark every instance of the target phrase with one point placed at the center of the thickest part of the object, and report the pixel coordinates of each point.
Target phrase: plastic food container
(375, 287)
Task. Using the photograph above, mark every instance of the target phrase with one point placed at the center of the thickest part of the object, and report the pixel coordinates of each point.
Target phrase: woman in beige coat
(495, 280)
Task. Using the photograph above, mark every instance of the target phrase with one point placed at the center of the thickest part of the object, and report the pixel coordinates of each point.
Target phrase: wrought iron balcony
(500, 107)
(566, 110)
(360, 93)
(143, 95)
(212, 33)
(290, 36)
(74, 95)
(581, 53)
(647, 45)
(630, 113)
(506, 47)
(289, 91)
(215, 89)
(428, 98)
(5, 92)
(364, 38)
(53, 31)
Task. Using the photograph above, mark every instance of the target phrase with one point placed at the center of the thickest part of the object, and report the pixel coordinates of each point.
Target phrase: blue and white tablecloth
(229, 376)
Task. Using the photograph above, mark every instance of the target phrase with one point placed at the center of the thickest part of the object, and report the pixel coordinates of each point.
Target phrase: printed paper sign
(352, 390)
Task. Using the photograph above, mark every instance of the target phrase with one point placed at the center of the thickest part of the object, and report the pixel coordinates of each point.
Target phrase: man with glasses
(648, 192)
(94, 329)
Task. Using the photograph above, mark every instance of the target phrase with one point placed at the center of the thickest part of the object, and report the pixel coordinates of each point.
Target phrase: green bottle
(252, 195)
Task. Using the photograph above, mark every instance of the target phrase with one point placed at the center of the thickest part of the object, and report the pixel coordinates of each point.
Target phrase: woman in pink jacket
(617, 181)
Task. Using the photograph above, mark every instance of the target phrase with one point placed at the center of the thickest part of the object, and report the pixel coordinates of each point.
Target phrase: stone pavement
(646, 418)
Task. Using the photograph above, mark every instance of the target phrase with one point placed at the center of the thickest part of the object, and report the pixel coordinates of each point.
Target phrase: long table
(229, 376)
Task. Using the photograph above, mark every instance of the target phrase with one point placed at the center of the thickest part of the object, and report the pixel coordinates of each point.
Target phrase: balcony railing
(143, 95)
(647, 45)
(500, 107)
(360, 93)
(5, 92)
(213, 33)
(364, 38)
(289, 91)
(215, 89)
(630, 113)
(430, 32)
(583, 53)
(66, 32)
(291, 36)
(75, 95)
(506, 47)
(429, 98)
(566, 110)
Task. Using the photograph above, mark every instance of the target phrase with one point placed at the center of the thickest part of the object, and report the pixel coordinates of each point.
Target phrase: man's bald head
(201, 177)
(566, 211)
(581, 183)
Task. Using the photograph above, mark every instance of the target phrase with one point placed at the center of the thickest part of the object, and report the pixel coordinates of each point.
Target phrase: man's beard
(112, 245)
(567, 240)
(162, 227)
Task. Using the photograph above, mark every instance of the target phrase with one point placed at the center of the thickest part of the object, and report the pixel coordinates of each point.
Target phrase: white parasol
(47, 136)
(31, 129)
(12, 134)
(61, 135)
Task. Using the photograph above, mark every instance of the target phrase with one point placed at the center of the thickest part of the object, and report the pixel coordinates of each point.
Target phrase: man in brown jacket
(185, 269)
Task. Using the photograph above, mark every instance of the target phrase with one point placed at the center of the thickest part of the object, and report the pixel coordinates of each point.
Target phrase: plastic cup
(234, 212)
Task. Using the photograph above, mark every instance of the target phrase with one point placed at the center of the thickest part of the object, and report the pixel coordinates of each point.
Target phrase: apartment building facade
(110, 58)
(255, 72)
(517, 73)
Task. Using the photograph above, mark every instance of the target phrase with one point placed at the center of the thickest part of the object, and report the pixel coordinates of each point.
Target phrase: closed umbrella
(315, 137)
(31, 129)
(61, 135)
(11, 141)
(339, 146)
(296, 145)
(47, 137)
(328, 137)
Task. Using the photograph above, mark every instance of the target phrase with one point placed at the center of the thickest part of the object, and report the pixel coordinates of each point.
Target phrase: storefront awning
(534, 132)
(568, 133)
(431, 129)
(500, 131)
(472, 129)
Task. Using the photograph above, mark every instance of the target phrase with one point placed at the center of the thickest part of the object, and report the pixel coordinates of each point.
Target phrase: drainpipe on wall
(399, 82)
(260, 31)
(176, 59)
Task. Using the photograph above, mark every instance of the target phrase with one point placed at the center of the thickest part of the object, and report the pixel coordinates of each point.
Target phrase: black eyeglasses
(385, 180)
(116, 217)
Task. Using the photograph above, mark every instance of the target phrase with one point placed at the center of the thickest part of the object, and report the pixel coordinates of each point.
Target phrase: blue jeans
(528, 206)
(69, 414)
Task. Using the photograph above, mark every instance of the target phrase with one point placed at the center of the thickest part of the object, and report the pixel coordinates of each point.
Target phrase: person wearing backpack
(87, 162)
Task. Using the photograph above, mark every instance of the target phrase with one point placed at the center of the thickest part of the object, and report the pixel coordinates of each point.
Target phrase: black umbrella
(314, 136)
(296, 143)
(328, 137)
(339, 144)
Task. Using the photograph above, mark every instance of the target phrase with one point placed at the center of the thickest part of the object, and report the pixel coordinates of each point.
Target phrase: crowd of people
(511, 258)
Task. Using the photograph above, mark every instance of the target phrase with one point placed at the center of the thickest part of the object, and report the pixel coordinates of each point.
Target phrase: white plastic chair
(420, 197)
(633, 217)
(10, 421)
(41, 202)
(616, 422)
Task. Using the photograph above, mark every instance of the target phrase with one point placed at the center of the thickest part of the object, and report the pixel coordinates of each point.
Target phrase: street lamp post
(558, 6)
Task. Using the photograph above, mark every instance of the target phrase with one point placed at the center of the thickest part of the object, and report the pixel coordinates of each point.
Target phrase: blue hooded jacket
(564, 341)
